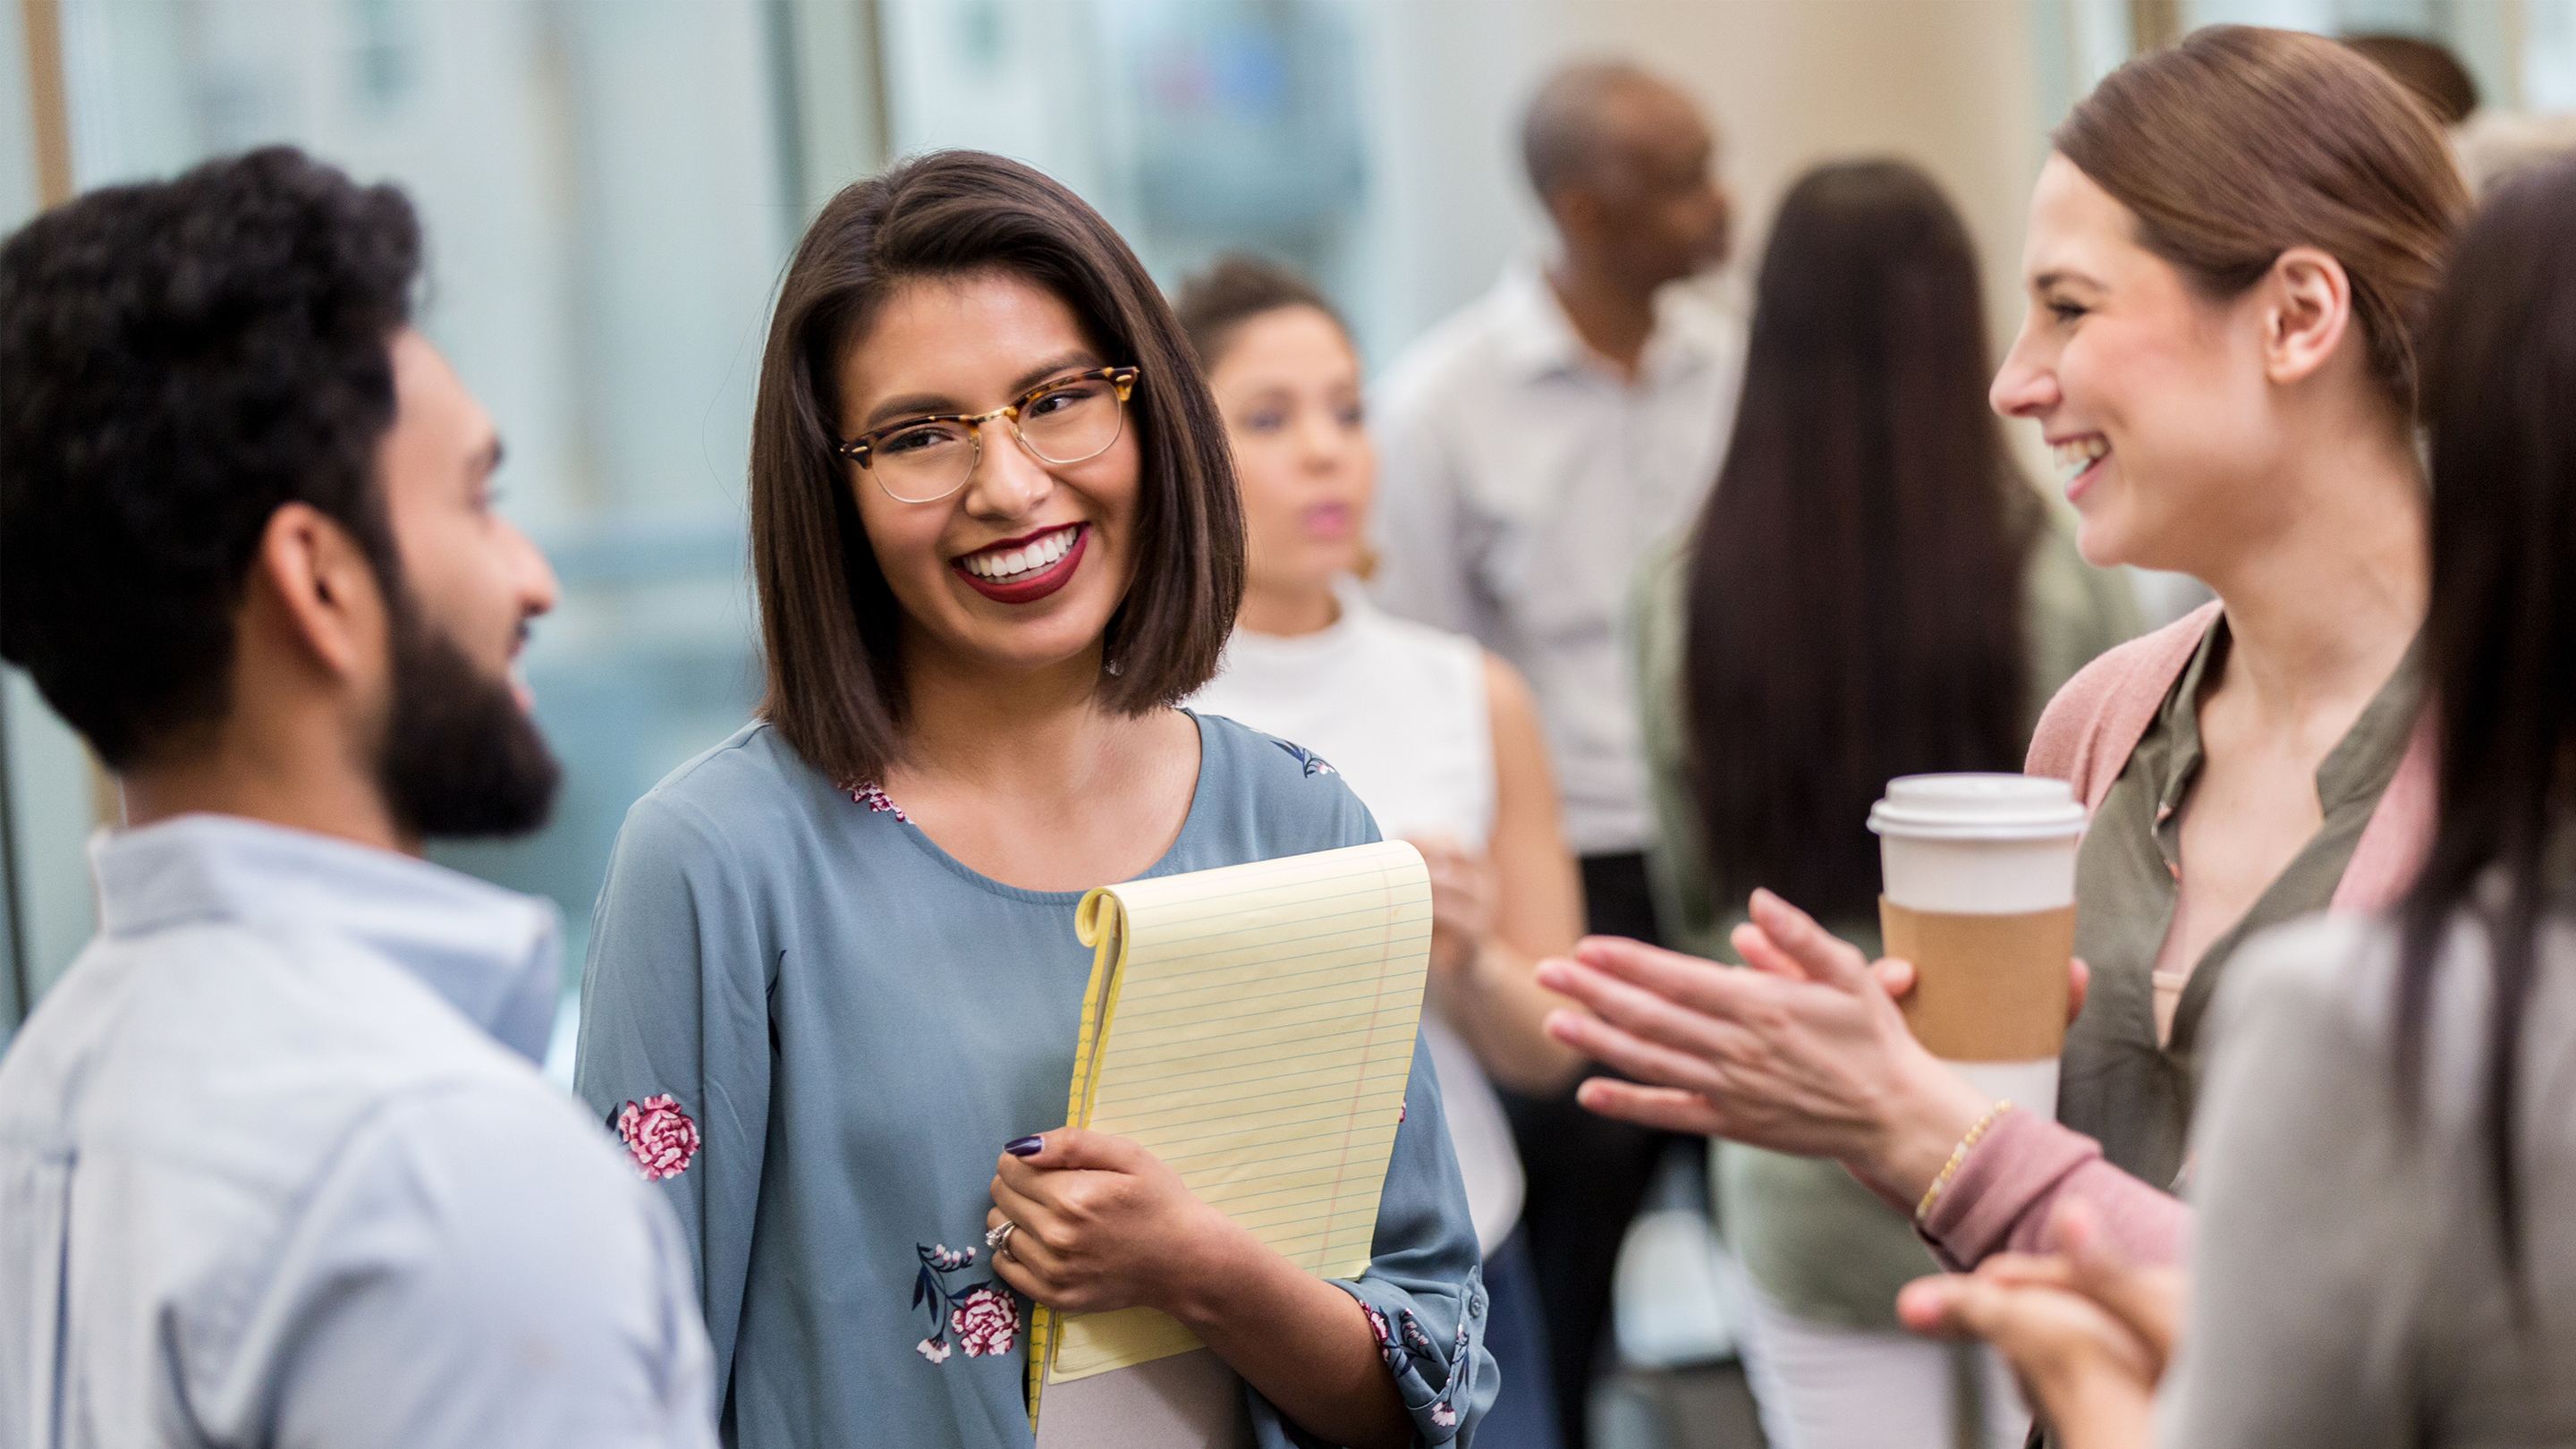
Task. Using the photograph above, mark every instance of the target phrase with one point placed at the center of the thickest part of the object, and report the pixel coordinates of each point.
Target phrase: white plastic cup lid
(1978, 807)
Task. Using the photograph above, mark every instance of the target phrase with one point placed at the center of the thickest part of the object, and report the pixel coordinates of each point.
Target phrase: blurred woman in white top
(1437, 737)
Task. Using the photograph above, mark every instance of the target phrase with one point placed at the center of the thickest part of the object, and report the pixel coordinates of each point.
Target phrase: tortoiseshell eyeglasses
(1069, 419)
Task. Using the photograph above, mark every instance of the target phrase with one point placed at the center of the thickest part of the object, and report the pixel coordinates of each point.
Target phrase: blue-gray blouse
(815, 1029)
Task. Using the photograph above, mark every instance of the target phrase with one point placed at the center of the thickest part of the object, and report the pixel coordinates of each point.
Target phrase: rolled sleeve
(2009, 1185)
(1424, 1286)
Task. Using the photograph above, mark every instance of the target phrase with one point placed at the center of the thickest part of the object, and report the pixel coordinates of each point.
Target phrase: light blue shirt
(276, 1167)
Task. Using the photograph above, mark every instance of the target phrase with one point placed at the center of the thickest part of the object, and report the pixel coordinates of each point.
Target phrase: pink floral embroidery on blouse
(874, 797)
(982, 1317)
(658, 1136)
(985, 1321)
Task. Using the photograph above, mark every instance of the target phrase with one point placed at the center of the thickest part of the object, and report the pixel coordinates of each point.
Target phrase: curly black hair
(178, 360)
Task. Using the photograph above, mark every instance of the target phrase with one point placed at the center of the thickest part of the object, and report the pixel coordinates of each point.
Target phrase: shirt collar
(2354, 772)
(1539, 340)
(494, 955)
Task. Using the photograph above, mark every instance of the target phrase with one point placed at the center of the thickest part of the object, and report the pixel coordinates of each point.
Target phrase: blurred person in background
(2386, 1156)
(2492, 144)
(2428, 70)
(1436, 736)
(1873, 589)
(276, 1163)
(1534, 446)
(997, 539)
(2229, 255)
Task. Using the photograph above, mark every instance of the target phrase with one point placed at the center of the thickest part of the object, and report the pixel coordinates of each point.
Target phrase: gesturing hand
(1104, 1224)
(1805, 1052)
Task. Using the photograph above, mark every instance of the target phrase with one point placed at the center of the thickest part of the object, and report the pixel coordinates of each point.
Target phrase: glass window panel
(2480, 32)
(610, 189)
(45, 907)
(2549, 55)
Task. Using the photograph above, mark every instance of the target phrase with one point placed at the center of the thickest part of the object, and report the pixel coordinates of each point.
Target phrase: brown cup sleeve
(1986, 988)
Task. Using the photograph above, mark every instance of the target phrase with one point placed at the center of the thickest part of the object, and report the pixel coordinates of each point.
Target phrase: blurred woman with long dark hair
(1874, 589)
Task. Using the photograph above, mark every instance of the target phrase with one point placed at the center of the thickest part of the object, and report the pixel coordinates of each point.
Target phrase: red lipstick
(1032, 589)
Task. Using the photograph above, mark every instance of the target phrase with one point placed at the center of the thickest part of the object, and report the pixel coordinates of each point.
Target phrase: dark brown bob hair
(828, 621)
(2240, 143)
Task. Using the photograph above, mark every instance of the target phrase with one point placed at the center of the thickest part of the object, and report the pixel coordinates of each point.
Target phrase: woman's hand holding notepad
(1248, 1033)
(1103, 1224)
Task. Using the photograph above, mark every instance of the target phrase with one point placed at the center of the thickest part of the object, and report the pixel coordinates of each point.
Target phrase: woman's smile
(2079, 461)
(1025, 569)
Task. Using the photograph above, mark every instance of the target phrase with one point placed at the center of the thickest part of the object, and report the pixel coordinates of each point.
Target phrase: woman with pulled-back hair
(833, 985)
(2229, 255)
(2386, 1250)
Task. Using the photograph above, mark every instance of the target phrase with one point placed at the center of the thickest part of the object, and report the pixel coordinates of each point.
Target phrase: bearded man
(276, 1164)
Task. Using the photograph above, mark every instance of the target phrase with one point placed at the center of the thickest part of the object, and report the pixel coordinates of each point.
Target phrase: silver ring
(1000, 1233)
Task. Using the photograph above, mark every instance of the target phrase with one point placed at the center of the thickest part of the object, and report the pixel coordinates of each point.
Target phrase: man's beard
(460, 757)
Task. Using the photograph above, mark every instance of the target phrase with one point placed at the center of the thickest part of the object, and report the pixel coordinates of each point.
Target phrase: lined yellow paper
(1254, 1027)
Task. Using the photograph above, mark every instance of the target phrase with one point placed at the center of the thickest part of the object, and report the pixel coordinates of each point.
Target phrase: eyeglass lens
(1070, 423)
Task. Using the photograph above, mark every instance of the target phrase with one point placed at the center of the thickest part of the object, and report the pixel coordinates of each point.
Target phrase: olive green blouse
(1814, 1239)
(2120, 1086)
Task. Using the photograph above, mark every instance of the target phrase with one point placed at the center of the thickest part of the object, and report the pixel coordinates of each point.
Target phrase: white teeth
(2077, 454)
(1028, 558)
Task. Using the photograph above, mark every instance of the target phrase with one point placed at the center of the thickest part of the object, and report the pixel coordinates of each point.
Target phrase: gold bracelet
(1958, 1155)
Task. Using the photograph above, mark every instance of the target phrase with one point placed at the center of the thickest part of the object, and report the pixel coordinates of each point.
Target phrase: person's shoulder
(1264, 763)
(194, 997)
(749, 788)
(1285, 792)
(2322, 984)
(2124, 684)
(2157, 656)
(258, 1054)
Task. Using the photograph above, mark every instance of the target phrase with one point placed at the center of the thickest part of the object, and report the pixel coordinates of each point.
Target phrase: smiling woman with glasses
(833, 983)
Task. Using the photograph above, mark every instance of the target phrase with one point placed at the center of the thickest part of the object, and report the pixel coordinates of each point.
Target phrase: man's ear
(1577, 212)
(2307, 312)
(321, 586)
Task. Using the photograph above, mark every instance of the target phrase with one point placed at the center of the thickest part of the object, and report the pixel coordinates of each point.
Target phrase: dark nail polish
(1024, 1146)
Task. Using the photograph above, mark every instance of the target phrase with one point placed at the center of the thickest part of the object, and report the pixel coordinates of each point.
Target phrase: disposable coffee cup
(1979, 893)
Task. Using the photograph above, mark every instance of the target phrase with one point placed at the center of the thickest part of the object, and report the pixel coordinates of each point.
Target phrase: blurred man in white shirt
(1534, 447)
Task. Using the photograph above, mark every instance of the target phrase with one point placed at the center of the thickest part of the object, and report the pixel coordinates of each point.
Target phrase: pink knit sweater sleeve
(2003, 1195)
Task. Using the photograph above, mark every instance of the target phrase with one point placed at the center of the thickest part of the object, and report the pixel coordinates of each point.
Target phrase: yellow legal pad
(1253, 1026)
